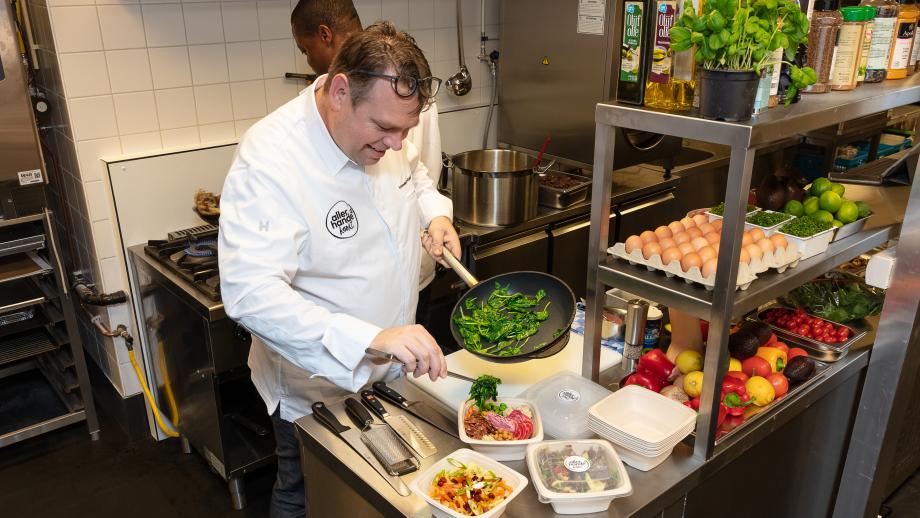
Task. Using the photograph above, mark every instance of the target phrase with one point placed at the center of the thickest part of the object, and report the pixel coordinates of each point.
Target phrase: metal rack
(722, 304)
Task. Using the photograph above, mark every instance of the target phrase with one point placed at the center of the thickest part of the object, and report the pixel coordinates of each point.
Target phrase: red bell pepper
(656, 364)
(642, 379)
(734, 396)
(723, 410)
(693, 403)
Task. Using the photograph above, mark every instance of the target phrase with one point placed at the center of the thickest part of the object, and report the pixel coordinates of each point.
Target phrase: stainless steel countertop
(652, 491)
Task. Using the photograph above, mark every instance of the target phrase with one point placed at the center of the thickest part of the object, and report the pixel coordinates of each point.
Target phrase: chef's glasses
(407, 86)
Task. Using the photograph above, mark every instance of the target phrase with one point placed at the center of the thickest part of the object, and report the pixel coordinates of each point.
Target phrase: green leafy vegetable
(767, 219)
(804, 226)
(484, 390)
(720, 208)
(838, 299)
(503, 323)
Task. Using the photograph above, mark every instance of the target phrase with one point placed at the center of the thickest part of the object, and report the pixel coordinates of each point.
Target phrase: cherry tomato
(779, 382)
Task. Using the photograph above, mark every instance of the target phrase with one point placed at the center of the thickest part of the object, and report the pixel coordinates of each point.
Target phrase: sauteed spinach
(504, 320)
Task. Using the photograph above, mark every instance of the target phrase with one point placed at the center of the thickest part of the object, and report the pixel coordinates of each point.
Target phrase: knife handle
(356, 411)
(384, 391)
(327, 418)
(374, 404)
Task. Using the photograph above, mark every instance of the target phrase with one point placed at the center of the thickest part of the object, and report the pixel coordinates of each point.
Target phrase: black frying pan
(554, 331)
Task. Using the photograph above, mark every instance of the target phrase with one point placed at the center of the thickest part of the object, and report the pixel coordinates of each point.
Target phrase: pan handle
(457, 267)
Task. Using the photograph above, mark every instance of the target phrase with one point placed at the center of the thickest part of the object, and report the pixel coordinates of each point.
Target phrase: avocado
(760, 330)
(771, 193)
(743, 344)
(799, 369)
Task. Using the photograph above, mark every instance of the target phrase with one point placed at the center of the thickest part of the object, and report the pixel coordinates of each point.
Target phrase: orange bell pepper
(775, 357)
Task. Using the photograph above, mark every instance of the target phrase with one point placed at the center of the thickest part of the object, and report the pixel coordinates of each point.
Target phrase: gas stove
(191, 254)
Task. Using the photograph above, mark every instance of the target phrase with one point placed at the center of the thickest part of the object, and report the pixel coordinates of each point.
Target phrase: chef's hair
(339, 15)
(381, 49)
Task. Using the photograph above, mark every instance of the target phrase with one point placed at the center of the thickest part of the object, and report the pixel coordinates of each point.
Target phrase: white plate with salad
(500, 427)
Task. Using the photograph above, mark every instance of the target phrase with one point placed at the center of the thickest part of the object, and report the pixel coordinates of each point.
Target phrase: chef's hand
(415, 347)
(441, 233)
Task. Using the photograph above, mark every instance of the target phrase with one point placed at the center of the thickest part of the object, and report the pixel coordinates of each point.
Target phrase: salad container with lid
(576, 477)
(563, 401)
(421, 484)
(503, 450)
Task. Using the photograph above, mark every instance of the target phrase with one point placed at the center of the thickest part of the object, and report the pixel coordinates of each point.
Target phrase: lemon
(693, 383)
(689, 361)
(761, 390)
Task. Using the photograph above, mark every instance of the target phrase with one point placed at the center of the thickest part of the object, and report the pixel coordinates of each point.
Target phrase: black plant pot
(728, 95)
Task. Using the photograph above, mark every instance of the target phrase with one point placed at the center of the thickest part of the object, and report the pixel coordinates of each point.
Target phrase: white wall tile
(445, 47)
(164, 25)
(397, 11)
(136, 112)
(141, 143)
(421, 14)
(129, 70)
(445, 14)
(203, 23)
(244, 60)
(89, 153)
(104, 238)
(220, 132)
(92, 117)
(248, 99)
(241, 126)
(209, 64)
(241, 21)
(368, 10)
(180, 137)
(76, 29)
(176, 108)
(170, 67)
(274, 19)
(424, 38)
(84, 74)
(279, 91)
(122, 26)
(213, 103)
(277, 58)
(112, 276)
(96, 201)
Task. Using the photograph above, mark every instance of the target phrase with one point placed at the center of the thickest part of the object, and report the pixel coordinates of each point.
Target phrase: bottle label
(846, 60)
(864, 52)
(778, 56)
(881, 43)
(916, 48)
(900, 53)
(631, 50)
(661, 60)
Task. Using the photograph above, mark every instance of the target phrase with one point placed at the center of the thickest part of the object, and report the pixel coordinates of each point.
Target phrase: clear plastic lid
(588, 467)
(563, 401)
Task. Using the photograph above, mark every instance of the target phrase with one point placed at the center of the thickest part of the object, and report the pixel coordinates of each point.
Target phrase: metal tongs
(376, 353)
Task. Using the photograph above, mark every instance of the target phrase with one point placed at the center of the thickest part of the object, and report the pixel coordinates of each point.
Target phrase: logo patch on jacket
(341, 221)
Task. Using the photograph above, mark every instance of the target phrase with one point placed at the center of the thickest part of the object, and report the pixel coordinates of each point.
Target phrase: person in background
(319, 245)
(320, 27)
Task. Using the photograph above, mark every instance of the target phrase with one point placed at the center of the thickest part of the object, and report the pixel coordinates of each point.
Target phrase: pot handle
(538, 169)
(462, 272)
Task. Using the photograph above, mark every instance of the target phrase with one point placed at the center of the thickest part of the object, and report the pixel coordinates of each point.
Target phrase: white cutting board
(516, 377)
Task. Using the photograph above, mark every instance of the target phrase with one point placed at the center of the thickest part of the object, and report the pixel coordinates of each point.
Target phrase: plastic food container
(811, 246)
(712, 217)
(563, 400)
(422, 482)
(768, 231)
(577, 477)
(850, 228)
(503, 450)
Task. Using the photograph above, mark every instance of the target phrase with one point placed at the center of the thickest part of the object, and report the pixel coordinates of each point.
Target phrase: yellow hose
(156, 411)
(167, 385)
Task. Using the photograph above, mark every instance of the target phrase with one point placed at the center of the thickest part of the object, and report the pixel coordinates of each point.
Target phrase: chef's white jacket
(319, 254)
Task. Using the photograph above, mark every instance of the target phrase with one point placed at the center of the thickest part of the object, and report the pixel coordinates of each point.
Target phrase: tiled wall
(137, 76)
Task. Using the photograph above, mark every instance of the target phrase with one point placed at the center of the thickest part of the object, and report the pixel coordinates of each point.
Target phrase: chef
(320, 27)
(319, 237)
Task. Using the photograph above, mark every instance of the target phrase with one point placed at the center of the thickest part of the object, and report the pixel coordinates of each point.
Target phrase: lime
(837, 223)
(794, 207)
(823, 216)
(820, 186)
(863, 209)
(838, 188)
(848, 212)
(810, 205)
(830, 201)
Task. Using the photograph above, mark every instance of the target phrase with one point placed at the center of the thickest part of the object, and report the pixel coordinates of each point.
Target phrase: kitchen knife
(401, 424)
(376, 353)
(353, 438)
(417, 408)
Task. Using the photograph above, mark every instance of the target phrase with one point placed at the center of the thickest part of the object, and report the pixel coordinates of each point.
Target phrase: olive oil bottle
(683, 70)
(633, 70)
(659, 87)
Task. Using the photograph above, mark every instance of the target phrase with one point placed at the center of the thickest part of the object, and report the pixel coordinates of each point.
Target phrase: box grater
(381, 440)
(401, 424)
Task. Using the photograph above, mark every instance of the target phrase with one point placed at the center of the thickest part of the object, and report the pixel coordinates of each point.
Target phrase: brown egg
(717, 223)
(633, 243)
(712, 238)
(779, 241)
(707, 253)
(650, 249)
(700, 219)
(681, 237)
(745, 239)
(766, 245)
(699, 242)
(675, 227)
(671, 254)
(756, 234)
(709, 268)
(691, 260)
(686, 248)
(687, 223)
(754, 251)
(694, 232)
(745, 256)
(648, 237)
(706, 228)
(662, 232)
(667, 243)
(716, 247)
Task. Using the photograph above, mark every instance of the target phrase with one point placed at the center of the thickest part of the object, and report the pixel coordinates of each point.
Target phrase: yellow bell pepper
(775, 357)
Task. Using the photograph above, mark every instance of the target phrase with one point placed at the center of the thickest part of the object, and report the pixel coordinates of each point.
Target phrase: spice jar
(867, 42)
(849, 48)
(903, 42)
(822, 36)
(886, 15)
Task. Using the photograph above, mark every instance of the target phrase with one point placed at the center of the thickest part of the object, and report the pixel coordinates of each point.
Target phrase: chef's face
(378, 122)
(318, 47)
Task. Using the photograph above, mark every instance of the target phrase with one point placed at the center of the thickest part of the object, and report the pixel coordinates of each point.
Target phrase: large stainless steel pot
(493, 187)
